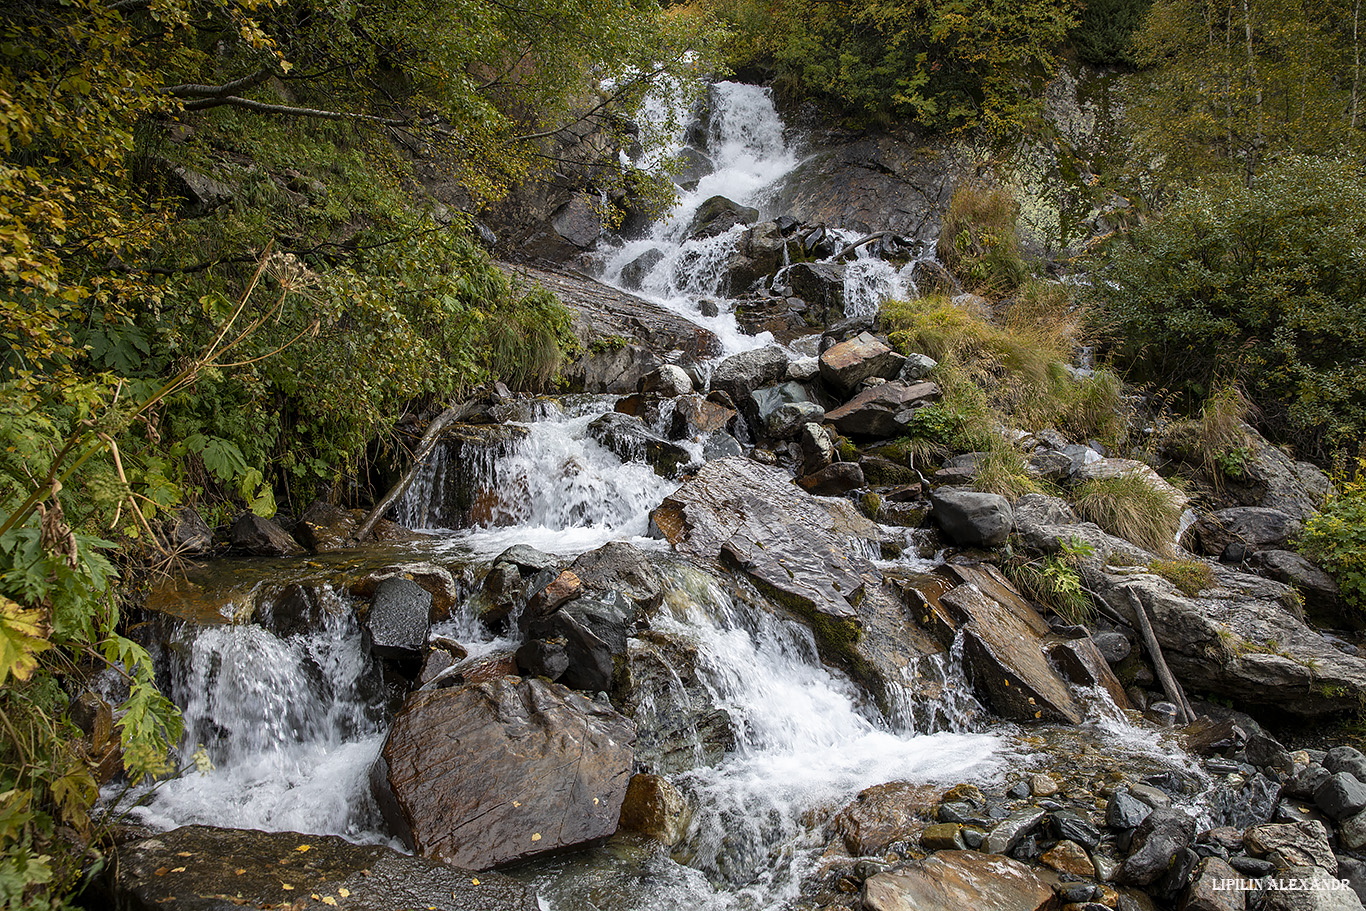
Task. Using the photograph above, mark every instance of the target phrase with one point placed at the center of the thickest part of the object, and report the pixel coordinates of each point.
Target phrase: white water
(750, 155)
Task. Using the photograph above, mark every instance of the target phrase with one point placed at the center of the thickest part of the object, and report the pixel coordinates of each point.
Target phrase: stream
(293, 713)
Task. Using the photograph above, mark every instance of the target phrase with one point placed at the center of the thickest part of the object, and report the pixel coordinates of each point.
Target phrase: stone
(717, 215)
(1082, 663)
(1321, 593)
(668, 380)
(721, 445)
(1340, 796)
(741, 374)
(849, 363)
(188, 533)
(260, 537)
(1010, 831)
(833, 480)
(1305, 781)
(620, 567)
(1352, 832)
(1153, 796)
(696, 417)
(1068, 858)
(633, 273)
(1158, 841)
(556, 591)
(957, 880)
(757, 256)
(324, 528)
(821, 285)
(498, 594)
(803, 369)
(790, 543)
(541, 658)
(943, 836)
(1318, 891)
(882, 411)
(1254, 527)
(578, 221)
(973, 519)
(818, 450)
(1206, 737)
(655, 808)
(1346, 759)
(205, 868)
(916, 367)
(500, 771)
(1041, 784)
(594, 634)
(1129, 468)
(528, 559)
(630, 440)
(1209, 889)
(1003, 645)
(1296, 844)
(1050, 465)
(1113, 647)
(882, 816)
(398, 619)
(1163, 714)
(1072, 826)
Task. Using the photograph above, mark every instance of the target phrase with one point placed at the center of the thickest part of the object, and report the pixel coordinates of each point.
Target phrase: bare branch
(194, 90)
(289, 111)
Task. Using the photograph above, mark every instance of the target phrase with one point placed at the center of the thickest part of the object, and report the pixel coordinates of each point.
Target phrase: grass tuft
(1130, 508)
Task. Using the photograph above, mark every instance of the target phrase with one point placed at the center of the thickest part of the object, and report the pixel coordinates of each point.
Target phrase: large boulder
(1254, 528)
(324, 527)
(884, 410)
(758, 255)
(793, 545)
(883, 815)
(973, 519)
(862, 357)
(1240, 639)
(739, 375)
(956, 880)
(396, 625)
(202, 868)
(490, 773)
(592, 634)
(630, 440)
(718, 215)
(620, 567)
(821, 286)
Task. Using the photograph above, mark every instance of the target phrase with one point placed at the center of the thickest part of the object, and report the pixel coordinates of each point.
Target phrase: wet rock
(490, 773)
(1209, 889)
(955, 880)
(916, 367)
(1158, 843)
(1003, 645)
(1041, 784)
(1346, 759)
(594, 636)
(621, 567)
(398, 619)
(741, 374)
(1010, 831)
(437, 581)
(1205, 737)
(1113, 647)
(1163, 714)
(792, 544)
(1068, 858)
(542, 658)
(1306, 780)
(721, 445)
(630, 440)
(833, 480)
(553, 592)
(973, 519)
(943, 836)
(1292, 845)
(260, 537)
(849, 363)
(202, 868)
(669, 380)
(821, 285)
(718, 215)
(882, 816)
(1318, 891)
(578, 221)
(1153, 796)
(633, 273)
(1072, 826)
(757, 255)
(1340, 796)
(783, 422)
(528, 559)
(1082, 663)
(498, 594)
(655, 808)
(324, 528)
(1254, 527)
(679, 726)
(882, 411)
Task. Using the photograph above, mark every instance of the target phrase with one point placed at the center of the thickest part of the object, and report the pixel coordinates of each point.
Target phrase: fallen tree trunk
(424, 448)
(1170, 686)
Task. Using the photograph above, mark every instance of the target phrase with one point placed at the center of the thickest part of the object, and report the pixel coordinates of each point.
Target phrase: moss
(1191, 576)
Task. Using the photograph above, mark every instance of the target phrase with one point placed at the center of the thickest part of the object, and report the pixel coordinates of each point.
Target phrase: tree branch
(289, 111)
(194, 90)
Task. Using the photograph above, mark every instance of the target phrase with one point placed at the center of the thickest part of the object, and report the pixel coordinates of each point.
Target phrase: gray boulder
(718, 215)
(669, 380)
(972, 519)
(260, 537)
(882, 411)
(1254, 527)
(630, 440)
(399, 617)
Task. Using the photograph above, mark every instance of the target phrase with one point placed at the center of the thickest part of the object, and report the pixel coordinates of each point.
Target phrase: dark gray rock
(620, 567)
(821, 285)
(721, 445)
(1072, 826)
(630, 440)
(593, 633)
(741, 374)
(1341, 795)
(1010, 831)
(882, 411)
(1306, 781)
(718, 215)
(916, 367)
(1115, 647)
(539, 658)
(1292, 844)
(973, 519)
(1346, 759)
(399, 617)
(260, 537)
(1254, 527)
(188, 533)
(833, 480)
(1159, 845)
(818, 450)
(528, 559)
(633, 273)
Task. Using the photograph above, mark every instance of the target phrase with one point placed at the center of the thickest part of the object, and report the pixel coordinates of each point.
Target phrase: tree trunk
(449, 416)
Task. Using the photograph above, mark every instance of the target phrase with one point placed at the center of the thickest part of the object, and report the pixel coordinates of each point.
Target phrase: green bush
(1256, 285)
(980, 241)
(1105, 33)
(1335, 538)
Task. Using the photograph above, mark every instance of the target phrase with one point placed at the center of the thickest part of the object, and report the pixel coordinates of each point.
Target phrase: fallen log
(1170, 686)
(447, 417)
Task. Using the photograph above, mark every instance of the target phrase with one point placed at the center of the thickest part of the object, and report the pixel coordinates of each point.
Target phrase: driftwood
(1169, 684)
(860, 242)
(449, 416)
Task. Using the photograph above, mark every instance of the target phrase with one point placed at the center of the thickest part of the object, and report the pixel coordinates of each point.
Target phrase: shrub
(1269, 277)
(1053, 581)
(979, 240)
(1129, 507)
(1335, 538)
(1218, 441)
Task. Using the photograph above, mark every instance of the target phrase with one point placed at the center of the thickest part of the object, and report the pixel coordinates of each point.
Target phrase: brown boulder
(882, 411)
(848, 364)
(956, 880)
(496, 772)
(883, 815)
(655, 808)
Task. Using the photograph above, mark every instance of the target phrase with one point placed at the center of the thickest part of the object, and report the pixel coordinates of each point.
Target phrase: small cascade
(291, 724)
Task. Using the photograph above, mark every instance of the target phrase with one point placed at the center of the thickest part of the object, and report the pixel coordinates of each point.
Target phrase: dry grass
(979, 241)
(1130, 508)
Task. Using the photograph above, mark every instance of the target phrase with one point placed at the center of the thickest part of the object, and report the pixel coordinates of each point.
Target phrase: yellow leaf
(475, 881)
(302, 848)
(22, 637)
(328, 900)
(344, 892)
(536, 836)
(177, 869)
(287, 887)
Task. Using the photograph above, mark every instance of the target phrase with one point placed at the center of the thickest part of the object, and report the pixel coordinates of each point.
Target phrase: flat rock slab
(882, 411)
(499, 771)
(958, 880)
(202, 868)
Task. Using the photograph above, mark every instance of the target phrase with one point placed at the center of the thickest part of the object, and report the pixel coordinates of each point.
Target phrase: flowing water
(292, 714)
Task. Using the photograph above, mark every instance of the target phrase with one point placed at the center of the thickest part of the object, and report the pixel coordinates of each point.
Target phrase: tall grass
(1129, 507)
(979, 240)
